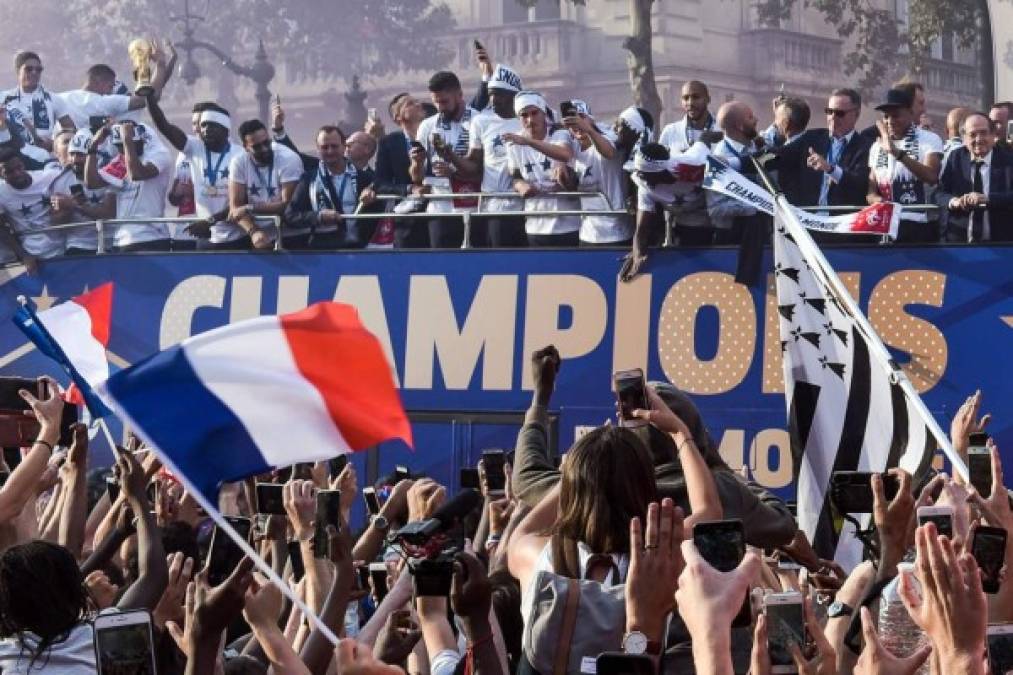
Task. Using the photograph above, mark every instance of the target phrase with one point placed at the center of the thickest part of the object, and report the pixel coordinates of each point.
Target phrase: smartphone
(328, 513)
(362, 577)
(96, 122)
(495, 472)
(436, 141)
(567, 109)
(401, 473)
(469, 479)
(295, 555)
(371, 113)
(989, 549)
(620, 663)
(785, 626)
(224, 554)
(124, 643)
(378, 578)
(722, 543)
(431, 577)
(1009, 129)
(1000, 648)
(77, 190)
(631, 392)
(18, 430)
(415, 145)
(851, 491)
(941, 516)
(269, 498)
(478, 45)
(372, 501)
(112, 488)
(336, 465)
(979, 463)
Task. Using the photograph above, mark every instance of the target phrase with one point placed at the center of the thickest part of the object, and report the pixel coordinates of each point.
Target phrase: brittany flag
(75, 335)
(259, 394)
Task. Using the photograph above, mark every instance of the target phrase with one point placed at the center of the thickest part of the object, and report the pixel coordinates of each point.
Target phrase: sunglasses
(34, 69)
(837, 112)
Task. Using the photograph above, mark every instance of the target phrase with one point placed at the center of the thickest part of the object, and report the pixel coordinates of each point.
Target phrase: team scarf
(320, 195)
(41, 100)
(895, 182)
(461, 143)
(882, 218)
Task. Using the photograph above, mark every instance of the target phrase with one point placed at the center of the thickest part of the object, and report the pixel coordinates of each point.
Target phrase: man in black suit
(392, 166)
(975, 193)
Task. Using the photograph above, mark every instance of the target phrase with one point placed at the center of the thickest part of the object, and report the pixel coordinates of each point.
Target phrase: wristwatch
(636, 642)
(380, 523)
(839, 609)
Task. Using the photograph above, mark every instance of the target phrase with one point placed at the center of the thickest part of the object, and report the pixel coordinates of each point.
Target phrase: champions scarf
(895, 181)
(882, 218)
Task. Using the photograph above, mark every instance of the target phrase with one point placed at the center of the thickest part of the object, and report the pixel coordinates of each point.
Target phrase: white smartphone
(785, 626)
(124, 643)
(941, 516)
(372, 114)
(1000, 648)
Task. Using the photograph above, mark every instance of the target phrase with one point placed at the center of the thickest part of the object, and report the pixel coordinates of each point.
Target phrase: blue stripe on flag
(167, 401)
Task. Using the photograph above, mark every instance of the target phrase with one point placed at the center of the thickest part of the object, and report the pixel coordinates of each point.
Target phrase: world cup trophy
(140, 51)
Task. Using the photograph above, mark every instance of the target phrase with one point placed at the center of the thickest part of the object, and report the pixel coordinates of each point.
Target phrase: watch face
(635, 643)
(837, 608)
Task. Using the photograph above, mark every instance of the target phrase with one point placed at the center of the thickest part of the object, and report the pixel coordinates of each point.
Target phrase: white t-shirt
(140, 199)
(39, 107)
(596, 173)
(263, 183)
(83, 237)
(680, 136)
(456, 134)
(80, 105)
(29, 211)
(211, 182)
(537, 169)
(895, 181)
(73, 656)
(486, 133)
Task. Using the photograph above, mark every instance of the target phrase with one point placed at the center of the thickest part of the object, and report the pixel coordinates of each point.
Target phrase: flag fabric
(75, 335)
(882, 218)
(264, 393)
(845, 410)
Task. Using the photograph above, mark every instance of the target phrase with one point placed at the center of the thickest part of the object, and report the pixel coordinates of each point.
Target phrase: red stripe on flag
(98, 302)
(346, 364)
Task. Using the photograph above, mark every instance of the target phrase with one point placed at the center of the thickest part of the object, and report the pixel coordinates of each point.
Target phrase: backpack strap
(567, 627)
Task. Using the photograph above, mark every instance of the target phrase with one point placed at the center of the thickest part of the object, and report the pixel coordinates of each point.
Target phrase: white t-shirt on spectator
(73, 656)
(85, 238)
(486, 133)
(599, 174)
(80, 105)
(211, 194)
(140, 199)
(537, 169)
(29, 211)
(263, 183)
(928, 143)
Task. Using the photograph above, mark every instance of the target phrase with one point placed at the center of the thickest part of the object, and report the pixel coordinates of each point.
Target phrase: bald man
(360, 148)
(729, 216)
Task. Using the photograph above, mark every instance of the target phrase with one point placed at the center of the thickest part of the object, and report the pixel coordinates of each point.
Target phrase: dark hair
(974, 113)
(201, 106)
(798, 112)
(244, 664)
(394, 101)
(698, 83)
(7, 154)
(853, 96)
(332, 129)
(41, 592)
(21, 58)
(429, 108)
(655, 151)
(909, 88)
(101, 71)
(647, 117)
(1008, 105)
(607, 479)
(250, 127)
(444, 81)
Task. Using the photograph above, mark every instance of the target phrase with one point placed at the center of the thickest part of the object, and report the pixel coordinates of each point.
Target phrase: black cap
(896, 98)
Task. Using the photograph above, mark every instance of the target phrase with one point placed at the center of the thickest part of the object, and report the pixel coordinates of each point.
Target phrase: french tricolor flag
(264, 393)
(75, 335)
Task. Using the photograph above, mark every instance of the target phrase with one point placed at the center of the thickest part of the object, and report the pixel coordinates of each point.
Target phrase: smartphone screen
(123, 644)
(269, 499)
(1000, 648)
(401, 472)
(989, 550)
(112, 488)
(567, 109)
(979, 464)
(785, 627)
(495, 474)
(378, 579)
(224, 554)
(851, 491)
(940, 516)
(469, 479)
(336, 465)
(432, 577)
(328, 513)
(722, 543)
(295, 555)
(619, 663)
(631, 392)
(372, 501)
(362, 577)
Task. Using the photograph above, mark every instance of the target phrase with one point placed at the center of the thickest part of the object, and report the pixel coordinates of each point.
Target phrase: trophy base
(144, 90)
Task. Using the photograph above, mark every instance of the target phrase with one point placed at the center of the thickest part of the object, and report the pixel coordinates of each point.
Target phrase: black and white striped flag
(847, 411)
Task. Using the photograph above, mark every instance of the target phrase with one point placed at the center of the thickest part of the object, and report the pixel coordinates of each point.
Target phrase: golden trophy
(140, 51)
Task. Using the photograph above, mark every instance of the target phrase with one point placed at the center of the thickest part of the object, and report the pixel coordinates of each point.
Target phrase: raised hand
(655, 565)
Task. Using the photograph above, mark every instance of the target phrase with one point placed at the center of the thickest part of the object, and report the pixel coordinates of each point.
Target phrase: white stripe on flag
(70, 325)
(254, 367)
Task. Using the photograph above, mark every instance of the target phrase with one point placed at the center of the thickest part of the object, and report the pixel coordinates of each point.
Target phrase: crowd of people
(639, 552)
(92, 154)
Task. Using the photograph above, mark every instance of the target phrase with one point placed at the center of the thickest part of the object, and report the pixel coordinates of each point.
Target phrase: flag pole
(221, 522)
(897, 375)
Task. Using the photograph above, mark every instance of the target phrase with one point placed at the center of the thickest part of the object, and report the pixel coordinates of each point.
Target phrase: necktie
(977, 225)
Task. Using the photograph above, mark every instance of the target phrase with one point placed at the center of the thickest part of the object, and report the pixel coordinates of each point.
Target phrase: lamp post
(261, 71)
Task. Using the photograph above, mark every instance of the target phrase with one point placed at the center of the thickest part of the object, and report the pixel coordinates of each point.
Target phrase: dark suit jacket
(392, 164)
(801, 185)
(957, 179)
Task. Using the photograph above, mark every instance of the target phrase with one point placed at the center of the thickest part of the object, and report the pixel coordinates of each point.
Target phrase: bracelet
(39, 441)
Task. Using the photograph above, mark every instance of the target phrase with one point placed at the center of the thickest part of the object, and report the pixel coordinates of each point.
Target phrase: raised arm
(153, 571)
(172, 133)
(23, 481)
(74, 512)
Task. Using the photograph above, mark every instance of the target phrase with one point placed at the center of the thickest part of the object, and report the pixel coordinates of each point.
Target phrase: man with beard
(72, 200)
(209, 154)
(262, 181)
(24, 201)
(730, 216)
(904, 165)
